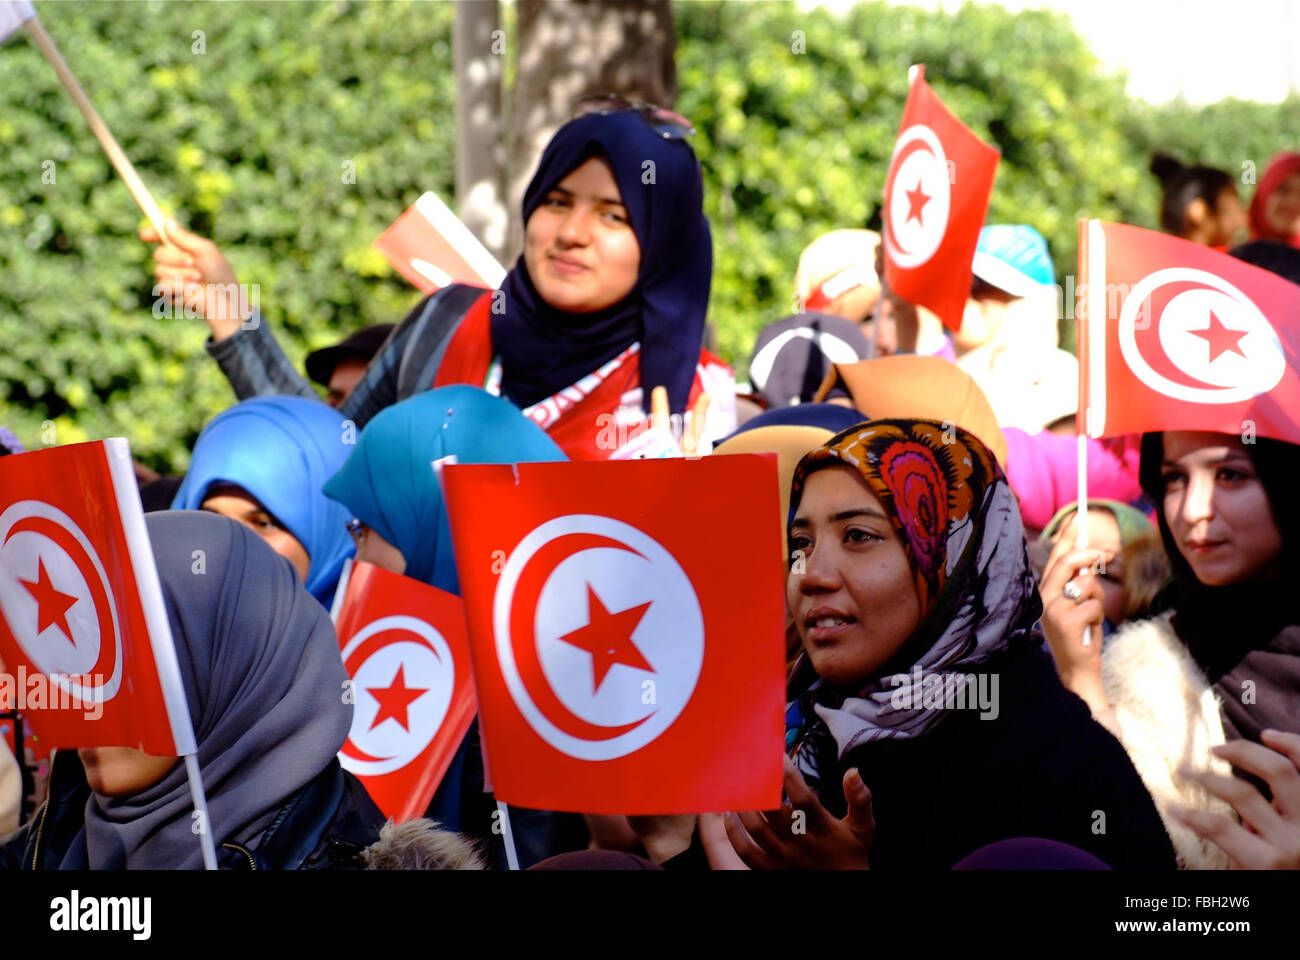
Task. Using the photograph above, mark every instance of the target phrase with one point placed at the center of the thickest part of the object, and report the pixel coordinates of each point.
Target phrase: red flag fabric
(404, 646)
(430, 246)
(84, 637)
(627, 623)
(936, 196)
(1177, 336)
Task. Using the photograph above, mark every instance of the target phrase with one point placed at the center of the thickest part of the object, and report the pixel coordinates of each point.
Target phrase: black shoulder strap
(433, 321)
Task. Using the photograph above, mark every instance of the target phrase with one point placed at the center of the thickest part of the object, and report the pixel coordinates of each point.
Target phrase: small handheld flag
(82, 617)
(404, 646)
(936, 196)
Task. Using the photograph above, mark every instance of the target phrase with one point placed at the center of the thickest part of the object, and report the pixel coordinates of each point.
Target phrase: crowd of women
(1147, 686)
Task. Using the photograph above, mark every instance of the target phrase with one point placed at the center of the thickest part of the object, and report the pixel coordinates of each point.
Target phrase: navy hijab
(543, 349)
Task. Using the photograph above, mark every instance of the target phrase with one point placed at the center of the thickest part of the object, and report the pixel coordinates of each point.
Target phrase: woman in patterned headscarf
(922, 688)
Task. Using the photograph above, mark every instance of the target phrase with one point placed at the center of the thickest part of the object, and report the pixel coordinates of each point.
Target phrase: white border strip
(336, 607)
(1095, 411)
(129, 508)
(461, 238)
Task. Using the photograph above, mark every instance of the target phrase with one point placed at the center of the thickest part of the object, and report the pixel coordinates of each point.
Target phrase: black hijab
(543, 349)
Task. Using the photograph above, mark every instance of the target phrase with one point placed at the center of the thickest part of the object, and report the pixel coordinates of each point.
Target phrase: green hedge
(247, 143)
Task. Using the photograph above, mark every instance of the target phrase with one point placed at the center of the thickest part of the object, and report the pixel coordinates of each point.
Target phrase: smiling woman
(921, 676)
(606, 303)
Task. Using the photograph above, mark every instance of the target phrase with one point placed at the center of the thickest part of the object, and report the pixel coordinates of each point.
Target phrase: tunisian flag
(1177, 336)
(627, 623)
(936, 195)
(83, 625)
(404, 646)
(431, 247)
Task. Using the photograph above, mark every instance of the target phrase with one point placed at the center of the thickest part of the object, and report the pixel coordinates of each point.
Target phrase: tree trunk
(479, 49)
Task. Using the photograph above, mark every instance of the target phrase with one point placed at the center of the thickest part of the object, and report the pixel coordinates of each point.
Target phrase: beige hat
(839, 267)
(930, 388)
(789, 443)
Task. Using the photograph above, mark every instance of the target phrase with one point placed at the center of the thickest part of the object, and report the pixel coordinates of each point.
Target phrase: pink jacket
(1043, 470)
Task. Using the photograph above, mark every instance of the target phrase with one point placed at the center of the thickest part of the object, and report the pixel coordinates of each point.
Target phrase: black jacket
(325, 825)
(1042, 768)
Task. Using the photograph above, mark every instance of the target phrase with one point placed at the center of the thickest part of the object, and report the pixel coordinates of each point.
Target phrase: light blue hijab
(388, 482)
(281, 450)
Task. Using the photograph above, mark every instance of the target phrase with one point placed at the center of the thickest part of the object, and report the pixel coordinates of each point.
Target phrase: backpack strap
(432, 324)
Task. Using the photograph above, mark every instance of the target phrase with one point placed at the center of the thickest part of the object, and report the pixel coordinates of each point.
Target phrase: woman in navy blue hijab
(547, 336)
(606, 302)
(264, 463)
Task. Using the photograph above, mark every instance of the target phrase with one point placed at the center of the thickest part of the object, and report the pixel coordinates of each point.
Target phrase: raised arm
(192, 271)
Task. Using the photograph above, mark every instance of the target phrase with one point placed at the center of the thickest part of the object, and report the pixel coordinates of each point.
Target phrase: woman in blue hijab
(389, 486)
(263, 462)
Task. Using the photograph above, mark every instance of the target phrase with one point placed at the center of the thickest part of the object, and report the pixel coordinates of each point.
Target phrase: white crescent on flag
(1221, 346)
(13, 14)
(617, 631)
(403, 691)
(57, 600)
(918, 197)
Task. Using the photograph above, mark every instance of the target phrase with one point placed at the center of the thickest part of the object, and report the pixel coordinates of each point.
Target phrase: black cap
(362, 345)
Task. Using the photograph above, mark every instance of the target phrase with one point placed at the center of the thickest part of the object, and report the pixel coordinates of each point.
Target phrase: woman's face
(1217, 508)
(579, 246)
(1230, 219)
(372, 548)
(850, 590)
(1282, 208)
(122, 771)
(236, 503)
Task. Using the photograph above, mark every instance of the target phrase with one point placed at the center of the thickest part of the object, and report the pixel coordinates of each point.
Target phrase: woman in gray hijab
(265, 684)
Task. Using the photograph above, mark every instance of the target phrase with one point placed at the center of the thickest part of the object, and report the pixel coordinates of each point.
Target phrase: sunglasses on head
(666, 123)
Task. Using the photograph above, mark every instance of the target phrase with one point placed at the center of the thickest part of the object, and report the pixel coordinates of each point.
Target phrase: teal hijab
(388, 482)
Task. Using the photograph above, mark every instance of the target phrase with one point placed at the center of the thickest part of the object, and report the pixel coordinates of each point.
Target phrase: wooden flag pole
(119, 159)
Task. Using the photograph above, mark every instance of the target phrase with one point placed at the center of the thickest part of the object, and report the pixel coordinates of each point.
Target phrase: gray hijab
(260, 663)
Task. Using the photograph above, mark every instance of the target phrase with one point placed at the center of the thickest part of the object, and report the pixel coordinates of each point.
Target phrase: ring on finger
(1072, 591)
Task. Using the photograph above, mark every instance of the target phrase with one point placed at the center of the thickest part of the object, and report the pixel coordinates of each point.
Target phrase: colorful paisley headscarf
(960, 526)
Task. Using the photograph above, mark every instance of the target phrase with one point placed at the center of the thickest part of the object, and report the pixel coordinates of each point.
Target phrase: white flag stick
(115, 155)
(118, 451)
(512, 856)
(201, 808)
(1093, 347)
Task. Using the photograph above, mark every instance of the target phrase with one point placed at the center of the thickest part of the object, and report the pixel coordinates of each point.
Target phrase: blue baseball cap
(1014, 258)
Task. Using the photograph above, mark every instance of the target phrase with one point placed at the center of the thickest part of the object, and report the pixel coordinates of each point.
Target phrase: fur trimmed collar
(1168, 715)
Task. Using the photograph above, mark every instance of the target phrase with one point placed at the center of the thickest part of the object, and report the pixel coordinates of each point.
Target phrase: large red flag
(936, 195)
(84, 628)
(404, 647)
(627, 625)
(1177, 336)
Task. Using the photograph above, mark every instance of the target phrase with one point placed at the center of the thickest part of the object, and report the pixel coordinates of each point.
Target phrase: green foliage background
(247, 141)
